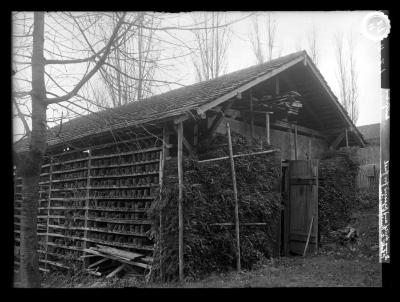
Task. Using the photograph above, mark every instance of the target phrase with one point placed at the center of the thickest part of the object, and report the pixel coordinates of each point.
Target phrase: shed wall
(369, 155)
(281, 139)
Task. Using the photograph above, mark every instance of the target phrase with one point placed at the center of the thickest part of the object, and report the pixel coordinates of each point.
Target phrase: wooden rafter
(337, 140)
(247, 86)
(344, 115)
(220, 117)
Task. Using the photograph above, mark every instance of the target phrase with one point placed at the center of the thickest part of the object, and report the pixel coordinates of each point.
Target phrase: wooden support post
(347, 139)
(48, 210)
(180, 200)
(251, 116)
(195, 134)
(267, 128)
(85, 232)
(295, 142)
(277, 86)
(163, 154)
(309, 149)
(185, 142)
(235, 197)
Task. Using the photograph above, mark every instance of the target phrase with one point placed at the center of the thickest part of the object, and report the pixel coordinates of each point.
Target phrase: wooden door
(303, 205)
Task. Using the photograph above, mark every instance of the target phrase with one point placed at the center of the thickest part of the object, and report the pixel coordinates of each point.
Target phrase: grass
(354, 265)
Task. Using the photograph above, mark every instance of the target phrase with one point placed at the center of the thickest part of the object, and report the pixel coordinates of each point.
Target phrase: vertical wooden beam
(180, 200)
(347, 139)
(267, 128)
(277, 91)
(295, 142)
(88, 180)
(309, 149)
(251, 115)
(290, 141)
(317, 214)
(160, 243)
(163, 155)
(235, 198)
(195, 134)
(48, 210)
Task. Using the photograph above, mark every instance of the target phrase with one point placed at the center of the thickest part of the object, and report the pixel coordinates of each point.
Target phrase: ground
(351, 265)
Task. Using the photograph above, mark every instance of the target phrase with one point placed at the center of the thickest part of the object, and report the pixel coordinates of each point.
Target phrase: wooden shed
(102, 171)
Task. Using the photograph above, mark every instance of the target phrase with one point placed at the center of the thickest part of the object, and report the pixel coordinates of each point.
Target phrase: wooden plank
(228, 128)
(118, 252)
(267, 129)
(337, 140)
(300, 129)
(251, 115)
(308, 236)
(116, 271)
(219, 119)
(98, 262)
(295, 142)
(243, 223)
(180, 200)
(127, 153)
(237, 155)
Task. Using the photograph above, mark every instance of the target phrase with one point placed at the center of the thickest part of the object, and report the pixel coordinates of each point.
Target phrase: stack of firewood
(288, 104)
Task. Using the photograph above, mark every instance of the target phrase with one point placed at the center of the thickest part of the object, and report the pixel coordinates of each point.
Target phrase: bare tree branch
(93, 71)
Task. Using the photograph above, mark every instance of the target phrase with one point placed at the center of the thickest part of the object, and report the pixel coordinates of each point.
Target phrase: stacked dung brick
(208, 199)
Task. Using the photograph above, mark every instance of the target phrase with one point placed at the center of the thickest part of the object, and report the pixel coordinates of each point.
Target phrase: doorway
(300, 207)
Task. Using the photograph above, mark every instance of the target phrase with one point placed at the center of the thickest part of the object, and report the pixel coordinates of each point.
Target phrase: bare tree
(347, 74)
(271, 36)
(342, 70)
(211, 42)
(45, 40)
(353, 80)
(257, 38)
(298, 43)
(312, 39)
(130, 71)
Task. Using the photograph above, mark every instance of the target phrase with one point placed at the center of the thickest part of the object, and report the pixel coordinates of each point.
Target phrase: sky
(291, 28)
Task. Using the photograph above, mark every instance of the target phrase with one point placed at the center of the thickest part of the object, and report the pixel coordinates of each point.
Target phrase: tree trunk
(29, 264)
(30, 163)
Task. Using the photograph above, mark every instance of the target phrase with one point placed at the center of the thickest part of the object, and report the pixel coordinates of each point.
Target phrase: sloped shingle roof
(171, 103)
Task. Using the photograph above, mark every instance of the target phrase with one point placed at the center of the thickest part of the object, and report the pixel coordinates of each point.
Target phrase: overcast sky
(291, 28)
